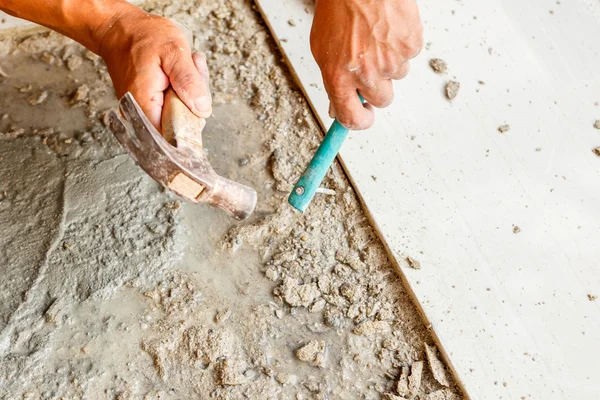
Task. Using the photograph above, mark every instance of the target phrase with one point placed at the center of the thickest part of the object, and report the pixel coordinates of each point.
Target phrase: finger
(202, 67)
(188, 83)
(153, 109)
(148, 91)
(399, 72)
(350, 112)
(380, 95)
(200, 64)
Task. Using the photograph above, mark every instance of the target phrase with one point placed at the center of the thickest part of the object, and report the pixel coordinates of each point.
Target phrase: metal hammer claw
(177, 160)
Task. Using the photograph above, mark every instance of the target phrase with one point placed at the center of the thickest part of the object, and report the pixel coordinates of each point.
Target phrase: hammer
(176, 159)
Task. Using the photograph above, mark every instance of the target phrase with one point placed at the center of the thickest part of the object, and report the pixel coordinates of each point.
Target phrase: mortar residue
(112, 288)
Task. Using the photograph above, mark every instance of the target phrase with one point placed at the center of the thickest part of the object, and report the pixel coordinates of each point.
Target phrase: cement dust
(112, 288)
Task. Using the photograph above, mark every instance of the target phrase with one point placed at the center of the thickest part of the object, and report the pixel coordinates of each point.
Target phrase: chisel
(311, 179)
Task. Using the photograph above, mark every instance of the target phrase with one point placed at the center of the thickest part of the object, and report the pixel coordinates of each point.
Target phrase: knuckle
(415, 44)
(337, 80)
(368, 76)
(391, 63)
(172, 49)
(382, 99)
(339, 100)
(403, 70)
(386, 100)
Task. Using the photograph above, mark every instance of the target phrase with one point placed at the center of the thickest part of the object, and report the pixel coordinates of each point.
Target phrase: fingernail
(331, 111)
(203, 105)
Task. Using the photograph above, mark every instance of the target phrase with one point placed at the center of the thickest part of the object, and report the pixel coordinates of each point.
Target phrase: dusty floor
(112, 288)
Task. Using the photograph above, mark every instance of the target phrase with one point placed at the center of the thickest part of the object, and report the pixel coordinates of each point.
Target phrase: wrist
(112, 16)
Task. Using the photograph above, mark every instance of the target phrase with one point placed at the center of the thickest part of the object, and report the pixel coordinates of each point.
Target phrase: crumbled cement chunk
(89, 55)
(104, 117)
(229, 374)
(313, 353)
(333, 317)
(39, 99)
(25, 89)
(284, 378)
(351, 292)
(596, 151)
(54, 313)
(592, 297)
(597, 124)
(81, 94)
(438, 65)
(48, 58)
(222, 315)
(414, 264)
(272, 274)
(437, 367)
(291, 22)
(317, 306)
(516, 229)
(352, 259)
(452, 89)
(402, 385)
(74, 62)
(504, 128)
(370, 328)
(298, 295)
(414, 380)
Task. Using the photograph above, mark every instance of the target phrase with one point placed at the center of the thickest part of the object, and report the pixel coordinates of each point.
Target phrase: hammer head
(181, 167)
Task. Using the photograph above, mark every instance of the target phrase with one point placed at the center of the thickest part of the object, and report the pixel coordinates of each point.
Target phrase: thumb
(189, 79)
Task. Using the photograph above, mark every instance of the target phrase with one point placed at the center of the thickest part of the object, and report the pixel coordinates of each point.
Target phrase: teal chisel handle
(311, 179)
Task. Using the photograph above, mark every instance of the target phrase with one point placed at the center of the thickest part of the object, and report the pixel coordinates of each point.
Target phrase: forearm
(84, 21)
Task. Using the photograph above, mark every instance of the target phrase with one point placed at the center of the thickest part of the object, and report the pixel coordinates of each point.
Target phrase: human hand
(362, 45)
(145, 54)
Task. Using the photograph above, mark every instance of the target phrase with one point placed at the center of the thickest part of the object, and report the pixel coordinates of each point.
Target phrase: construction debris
(222, 315)
(504, 128)
(39, 99)
(452, 89)
(414, 264)
(80, 95)
(402, 384)
(312, 353)
(438, 65)
(74, 62)
(437, 367)
(414, 380)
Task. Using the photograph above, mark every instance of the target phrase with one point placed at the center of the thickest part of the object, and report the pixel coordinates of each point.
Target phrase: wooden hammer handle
(179, 122)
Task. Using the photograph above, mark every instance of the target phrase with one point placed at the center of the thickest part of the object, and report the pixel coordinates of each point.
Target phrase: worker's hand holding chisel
(361, 46)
